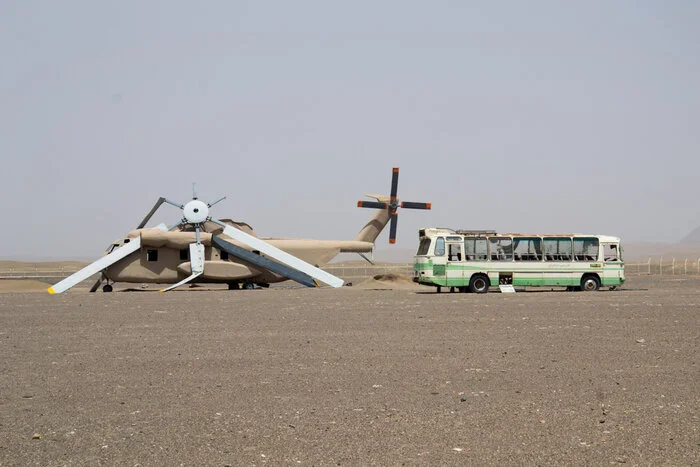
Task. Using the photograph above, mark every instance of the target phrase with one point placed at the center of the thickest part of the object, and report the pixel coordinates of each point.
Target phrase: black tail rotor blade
(392, 228)
(411, 205)
(394, 182)
(372, 204)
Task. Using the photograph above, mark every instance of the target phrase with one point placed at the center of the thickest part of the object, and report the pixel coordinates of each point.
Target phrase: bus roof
(435, 231)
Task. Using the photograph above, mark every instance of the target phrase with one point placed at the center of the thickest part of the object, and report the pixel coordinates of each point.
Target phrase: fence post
(661, 265)
(673, 266)
(649, 266)
(685, 267)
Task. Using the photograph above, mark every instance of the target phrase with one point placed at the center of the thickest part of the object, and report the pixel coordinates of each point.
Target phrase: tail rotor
(393, 205)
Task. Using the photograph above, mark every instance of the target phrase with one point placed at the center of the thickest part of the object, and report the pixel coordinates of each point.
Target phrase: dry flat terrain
(352, 376)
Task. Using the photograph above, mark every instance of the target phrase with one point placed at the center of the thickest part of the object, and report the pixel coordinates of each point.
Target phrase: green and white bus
(473, 260)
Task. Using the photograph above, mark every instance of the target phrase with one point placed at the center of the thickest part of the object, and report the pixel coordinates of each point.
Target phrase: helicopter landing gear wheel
(234, 286)
(107, 288)
(248, 285)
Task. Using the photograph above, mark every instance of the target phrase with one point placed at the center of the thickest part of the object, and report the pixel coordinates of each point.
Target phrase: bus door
(613, 267)
(439, 262)
(455, 256)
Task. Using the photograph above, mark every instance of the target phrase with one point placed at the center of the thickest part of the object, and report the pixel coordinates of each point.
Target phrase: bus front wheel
(479, 283)
(590, 283)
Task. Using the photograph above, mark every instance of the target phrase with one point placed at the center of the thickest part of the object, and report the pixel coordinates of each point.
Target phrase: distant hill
(692, 237)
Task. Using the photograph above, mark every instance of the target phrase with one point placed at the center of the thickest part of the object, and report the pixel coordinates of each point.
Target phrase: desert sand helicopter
(203, 249)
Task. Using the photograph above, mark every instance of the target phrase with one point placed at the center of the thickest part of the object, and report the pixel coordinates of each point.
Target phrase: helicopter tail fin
(376, 224)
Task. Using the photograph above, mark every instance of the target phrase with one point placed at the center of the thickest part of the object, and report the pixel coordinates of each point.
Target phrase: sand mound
(11, 285)
(388, 281)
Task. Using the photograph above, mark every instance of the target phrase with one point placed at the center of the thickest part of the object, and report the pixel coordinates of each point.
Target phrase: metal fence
(666, 266)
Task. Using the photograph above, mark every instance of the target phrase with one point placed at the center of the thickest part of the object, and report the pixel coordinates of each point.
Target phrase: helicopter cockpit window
(151, 255)
(184, 254)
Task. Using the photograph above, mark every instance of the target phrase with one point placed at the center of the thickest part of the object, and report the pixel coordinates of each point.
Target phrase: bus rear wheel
(479, 283)
(590, 283)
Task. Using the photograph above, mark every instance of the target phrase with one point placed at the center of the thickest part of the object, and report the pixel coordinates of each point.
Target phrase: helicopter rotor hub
(196, 212)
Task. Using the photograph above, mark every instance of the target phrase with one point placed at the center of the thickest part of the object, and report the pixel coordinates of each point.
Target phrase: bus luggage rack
(475, 232)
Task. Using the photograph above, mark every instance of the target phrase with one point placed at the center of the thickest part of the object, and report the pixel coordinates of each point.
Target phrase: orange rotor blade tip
(359, 204)
(428, 205)
(392, 240)
(396, 169)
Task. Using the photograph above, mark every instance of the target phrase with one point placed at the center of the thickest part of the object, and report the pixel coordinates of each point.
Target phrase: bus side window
(481, 249)
(610, 252)
(527, 249)
(586, 249)
(439, 246)
(558, 249)
(455, 252)
(501, 249)
(475, 249)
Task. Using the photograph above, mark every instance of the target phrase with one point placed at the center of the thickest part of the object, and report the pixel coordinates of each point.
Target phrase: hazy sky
(541, 116)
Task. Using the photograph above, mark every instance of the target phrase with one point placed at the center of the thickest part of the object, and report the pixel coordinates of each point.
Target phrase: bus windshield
(423, 247)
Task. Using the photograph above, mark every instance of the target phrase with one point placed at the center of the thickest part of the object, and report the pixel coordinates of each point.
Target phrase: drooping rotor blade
(145, 220)
(411, 205)
(392, 228)
(394, 182)
(196, 262)
(372, 204)
(264, 263)
(279, 255)
(97, 266)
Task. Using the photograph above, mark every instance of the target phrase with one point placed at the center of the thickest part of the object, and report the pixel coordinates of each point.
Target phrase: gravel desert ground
(360, 375)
